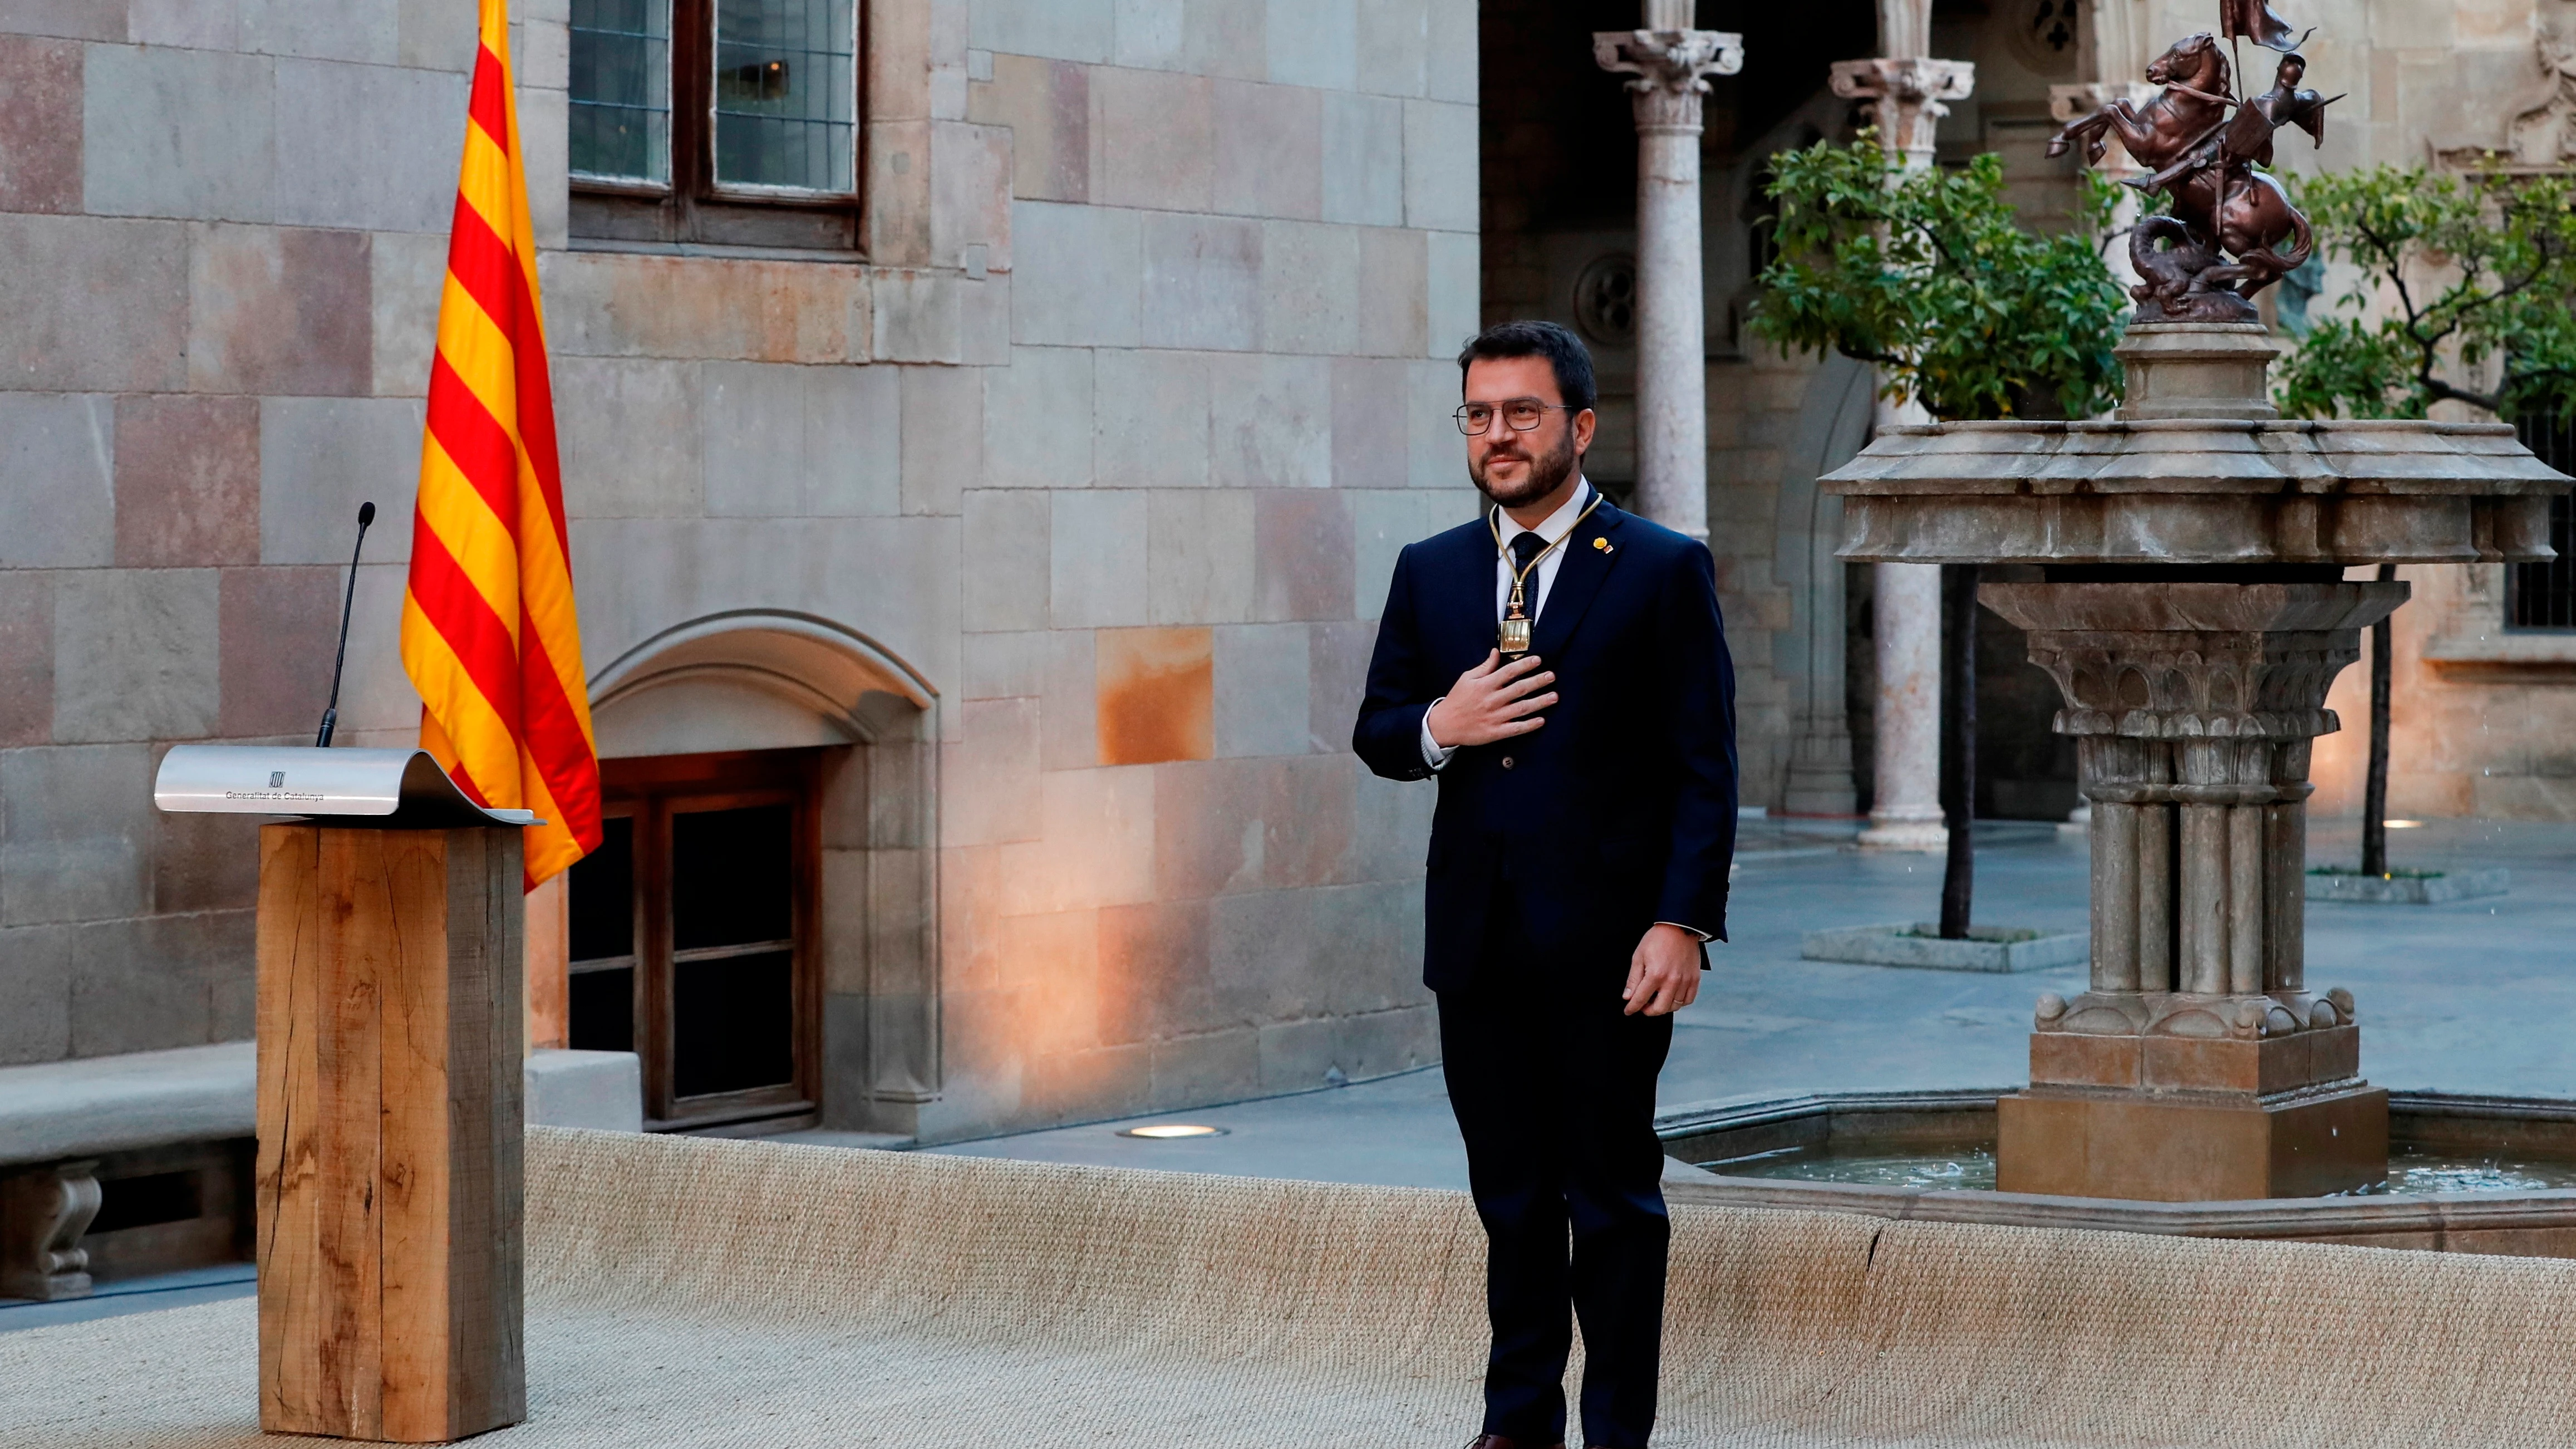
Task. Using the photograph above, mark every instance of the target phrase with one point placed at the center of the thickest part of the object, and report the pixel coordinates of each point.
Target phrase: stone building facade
(1010, 531)
(1025, 544)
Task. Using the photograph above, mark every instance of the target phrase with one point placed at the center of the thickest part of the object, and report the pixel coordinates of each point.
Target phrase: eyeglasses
(1521, 413)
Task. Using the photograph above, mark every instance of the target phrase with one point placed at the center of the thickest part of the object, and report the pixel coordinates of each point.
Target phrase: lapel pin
(1602, 544)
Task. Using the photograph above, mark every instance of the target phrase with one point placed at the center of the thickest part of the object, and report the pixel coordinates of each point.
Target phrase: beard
(1547, 472)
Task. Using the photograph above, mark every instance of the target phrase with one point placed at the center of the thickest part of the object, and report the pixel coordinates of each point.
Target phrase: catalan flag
(488, 630)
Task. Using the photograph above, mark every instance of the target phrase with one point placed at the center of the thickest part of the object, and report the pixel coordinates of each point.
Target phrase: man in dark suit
(1560, 667)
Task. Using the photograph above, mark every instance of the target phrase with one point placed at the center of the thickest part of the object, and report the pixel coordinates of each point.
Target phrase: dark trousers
(1554, 1088)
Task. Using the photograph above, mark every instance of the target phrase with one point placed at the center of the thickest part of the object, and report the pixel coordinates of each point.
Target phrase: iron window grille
(724, 122)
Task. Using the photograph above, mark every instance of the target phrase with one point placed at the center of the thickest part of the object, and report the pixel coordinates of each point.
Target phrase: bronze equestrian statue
(2231, 231)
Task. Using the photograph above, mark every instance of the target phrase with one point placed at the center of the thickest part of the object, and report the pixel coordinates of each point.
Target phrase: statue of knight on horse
(2231, 230)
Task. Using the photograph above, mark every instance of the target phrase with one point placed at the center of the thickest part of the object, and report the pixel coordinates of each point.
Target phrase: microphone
(331, 711)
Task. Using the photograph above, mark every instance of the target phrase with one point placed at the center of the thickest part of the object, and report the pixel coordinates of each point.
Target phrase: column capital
(1669, 69)
(1908, 94)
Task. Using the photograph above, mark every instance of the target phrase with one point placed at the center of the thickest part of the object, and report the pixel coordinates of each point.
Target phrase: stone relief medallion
(1605, 300)
(2045, 35)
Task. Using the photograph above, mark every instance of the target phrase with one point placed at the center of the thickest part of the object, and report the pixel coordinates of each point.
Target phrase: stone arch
(766, 679)
(755, 679)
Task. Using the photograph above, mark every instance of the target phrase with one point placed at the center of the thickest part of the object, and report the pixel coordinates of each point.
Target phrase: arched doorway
(759, 926)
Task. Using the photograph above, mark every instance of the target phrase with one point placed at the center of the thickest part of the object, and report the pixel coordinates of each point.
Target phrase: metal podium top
(399, 789)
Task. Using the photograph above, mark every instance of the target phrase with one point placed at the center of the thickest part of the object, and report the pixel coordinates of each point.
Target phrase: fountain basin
(1893, 1154)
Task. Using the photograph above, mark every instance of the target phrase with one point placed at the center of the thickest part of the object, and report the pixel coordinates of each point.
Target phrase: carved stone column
(1669, 61)
(1907, 95)
(2198, 1065)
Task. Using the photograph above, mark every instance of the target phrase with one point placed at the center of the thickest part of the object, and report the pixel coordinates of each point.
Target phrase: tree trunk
(2374, 790)
(1959, 742)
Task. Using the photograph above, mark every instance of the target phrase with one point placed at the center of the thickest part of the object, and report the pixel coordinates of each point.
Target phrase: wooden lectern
(389, 1090)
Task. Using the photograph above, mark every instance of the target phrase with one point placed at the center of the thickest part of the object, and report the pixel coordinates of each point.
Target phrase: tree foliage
(1928, 276)
(2476, 270)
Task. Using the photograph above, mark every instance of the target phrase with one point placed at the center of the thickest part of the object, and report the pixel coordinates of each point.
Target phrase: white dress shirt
(1551, 529)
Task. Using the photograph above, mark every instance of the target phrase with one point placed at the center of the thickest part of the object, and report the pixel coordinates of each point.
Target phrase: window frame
(651, 791)
(693, 208)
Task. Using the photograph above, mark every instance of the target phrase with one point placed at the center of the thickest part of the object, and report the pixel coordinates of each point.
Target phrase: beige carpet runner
(694, 1292)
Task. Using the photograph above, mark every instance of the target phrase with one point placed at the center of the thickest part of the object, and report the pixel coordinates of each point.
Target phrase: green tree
(1929, 276)
(2474, 270)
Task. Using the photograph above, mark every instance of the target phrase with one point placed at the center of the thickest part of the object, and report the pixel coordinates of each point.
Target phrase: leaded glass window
(621, 90)
(785, 94)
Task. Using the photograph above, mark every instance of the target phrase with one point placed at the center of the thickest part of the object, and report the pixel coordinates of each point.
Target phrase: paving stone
(194, 24)
(278, 629)
(280, 311)
(438, 36)
(40, 124)
(407, 274)
(1269, 150)
(1450, 70)
(94, 304)
(147, 984)
(187, 481)
(208, 862)
(26, 657)
(319, 458)
(1155, 691)
(1202, 282)
(1215, 1067)
(59, 451)
(179, 133)
(78, 844)
(1005, 665)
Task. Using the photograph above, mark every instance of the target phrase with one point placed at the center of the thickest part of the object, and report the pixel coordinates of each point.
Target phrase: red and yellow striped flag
(488, 630)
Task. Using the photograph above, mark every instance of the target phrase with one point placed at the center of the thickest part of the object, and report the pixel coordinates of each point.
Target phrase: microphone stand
(331, 711)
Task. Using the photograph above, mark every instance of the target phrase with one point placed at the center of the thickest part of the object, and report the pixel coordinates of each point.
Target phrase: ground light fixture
(2404, 824)
(1172, 1131)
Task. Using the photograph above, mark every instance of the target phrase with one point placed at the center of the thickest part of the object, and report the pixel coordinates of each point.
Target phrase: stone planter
(1988, 948)
(2429, 889)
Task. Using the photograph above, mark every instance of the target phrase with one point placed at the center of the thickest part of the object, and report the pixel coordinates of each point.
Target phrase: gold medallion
(1515, 636)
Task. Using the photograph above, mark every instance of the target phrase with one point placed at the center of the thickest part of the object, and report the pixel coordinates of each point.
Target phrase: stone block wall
(1109, 441)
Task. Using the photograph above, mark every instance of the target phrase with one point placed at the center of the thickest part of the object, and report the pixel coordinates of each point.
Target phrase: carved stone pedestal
(43, 1212)
(2198, 1065)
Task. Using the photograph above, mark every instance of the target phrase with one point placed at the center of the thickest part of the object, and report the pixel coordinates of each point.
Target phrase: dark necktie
(1526, 546)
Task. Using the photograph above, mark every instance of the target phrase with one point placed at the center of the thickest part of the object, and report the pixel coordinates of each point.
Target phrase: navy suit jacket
(1617, 813)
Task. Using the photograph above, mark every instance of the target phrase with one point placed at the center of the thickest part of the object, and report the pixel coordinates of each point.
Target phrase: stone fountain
(2194, 610)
